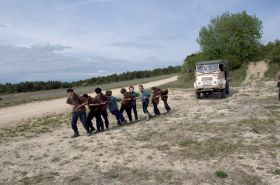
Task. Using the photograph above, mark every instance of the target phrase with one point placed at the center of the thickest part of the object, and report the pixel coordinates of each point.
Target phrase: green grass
(21, 98)
(273, 68)
(238, 76)
(276, 172)
(34, 127)
(221, 174)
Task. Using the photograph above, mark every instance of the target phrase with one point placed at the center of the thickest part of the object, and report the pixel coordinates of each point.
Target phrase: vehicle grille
(207, 81)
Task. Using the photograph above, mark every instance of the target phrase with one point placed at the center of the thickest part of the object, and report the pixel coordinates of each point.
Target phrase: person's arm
(94, 104)
(83, 104)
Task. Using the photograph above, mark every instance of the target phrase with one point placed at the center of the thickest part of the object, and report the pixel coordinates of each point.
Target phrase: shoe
(89, 134)
(102, 130)
(107, 128)
(124, 122)
(92, 129)
(75, 135)
(147, 117)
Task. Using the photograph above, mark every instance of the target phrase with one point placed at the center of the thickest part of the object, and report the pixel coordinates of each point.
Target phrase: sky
(77, 39)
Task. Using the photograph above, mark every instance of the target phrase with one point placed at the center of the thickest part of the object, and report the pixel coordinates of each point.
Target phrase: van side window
(221, 67)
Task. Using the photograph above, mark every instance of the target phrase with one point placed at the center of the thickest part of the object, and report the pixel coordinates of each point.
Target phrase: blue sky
(77, 39)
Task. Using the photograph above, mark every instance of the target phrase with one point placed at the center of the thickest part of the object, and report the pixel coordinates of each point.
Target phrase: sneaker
(75, 135)
(124, 122)
(89, 134)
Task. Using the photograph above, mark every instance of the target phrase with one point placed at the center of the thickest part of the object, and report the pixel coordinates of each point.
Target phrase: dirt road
(38, 109)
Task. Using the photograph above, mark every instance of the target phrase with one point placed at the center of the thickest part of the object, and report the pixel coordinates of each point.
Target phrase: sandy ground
(238, 135)
(38, 109)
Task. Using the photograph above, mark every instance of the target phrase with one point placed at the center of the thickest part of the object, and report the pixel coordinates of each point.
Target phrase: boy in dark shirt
(164, 97)
(94, 106)
(126, 103)
(134, 96)
(79, 111)
(102, 98)
(155, 100)
(113, 108)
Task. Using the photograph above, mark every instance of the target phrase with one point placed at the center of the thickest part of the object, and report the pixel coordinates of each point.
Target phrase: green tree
(235, 37)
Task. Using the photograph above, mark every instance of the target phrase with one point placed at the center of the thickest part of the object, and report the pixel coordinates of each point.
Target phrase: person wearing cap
(126, 103)
(114, 109)
(104, 104)
(145, 97)
(94, 111)
(78, 111)
(134, 96)
(278, 83)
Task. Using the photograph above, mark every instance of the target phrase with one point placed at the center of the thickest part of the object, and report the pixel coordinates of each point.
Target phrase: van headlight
(199, 83)
(215, 82)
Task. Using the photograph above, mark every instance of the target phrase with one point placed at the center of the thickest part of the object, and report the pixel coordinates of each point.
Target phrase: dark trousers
(134, 108)
(99, 122)
(145, 104)
(118, 115)
(279, 93)
(166, 106)
(156, 110)
(83, 118)
(105, 117)
(127, 109)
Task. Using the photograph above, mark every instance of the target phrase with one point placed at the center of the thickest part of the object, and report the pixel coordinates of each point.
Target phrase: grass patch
(238, 75)
(178, 84)
(272, 70)
(34, 127)
(221, 174)
(276, 172)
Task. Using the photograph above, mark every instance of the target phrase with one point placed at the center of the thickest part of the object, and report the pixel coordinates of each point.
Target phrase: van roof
(213, 62)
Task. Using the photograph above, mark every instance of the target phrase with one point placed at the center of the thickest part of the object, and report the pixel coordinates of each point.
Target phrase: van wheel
(224, 93)
(197, 95)
(227, 88)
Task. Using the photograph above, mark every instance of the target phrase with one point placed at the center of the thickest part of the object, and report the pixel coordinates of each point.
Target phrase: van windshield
(207, 68)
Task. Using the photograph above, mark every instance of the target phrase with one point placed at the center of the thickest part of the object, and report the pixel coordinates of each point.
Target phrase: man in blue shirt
(113, 108)
(145, 96)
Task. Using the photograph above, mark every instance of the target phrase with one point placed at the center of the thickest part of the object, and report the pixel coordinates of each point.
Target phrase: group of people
(99, 104)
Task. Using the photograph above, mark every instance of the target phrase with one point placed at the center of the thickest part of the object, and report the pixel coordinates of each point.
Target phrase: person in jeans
(79, 111)
(114, 109)
(145, 97)
(95, 111)
(126, 103)
(104, 104)
(278, 83)
(155, 100)
(134, 96)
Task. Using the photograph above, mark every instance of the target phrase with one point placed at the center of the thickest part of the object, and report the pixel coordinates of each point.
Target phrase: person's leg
(166, 106)
(105, 116)
(74, 120)
(279, 93)
(128, 111)
(90, 116)
(99, 122)
(145, 109)
(83, 119)
(156, 110)
(122, 108)
(135, 112)
(120, 116)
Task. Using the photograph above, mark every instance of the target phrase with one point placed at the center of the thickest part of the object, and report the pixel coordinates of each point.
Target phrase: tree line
(234, 37)
(28, 86)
